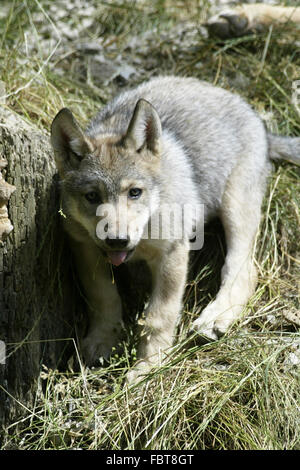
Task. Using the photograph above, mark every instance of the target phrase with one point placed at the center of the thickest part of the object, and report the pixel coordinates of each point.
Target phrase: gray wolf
(168, 141)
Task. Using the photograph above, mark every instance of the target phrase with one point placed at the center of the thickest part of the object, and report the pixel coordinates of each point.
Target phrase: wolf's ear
(68, 141)
(144, 130)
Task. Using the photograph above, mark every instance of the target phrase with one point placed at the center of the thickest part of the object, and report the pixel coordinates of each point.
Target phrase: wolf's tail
(284, 148)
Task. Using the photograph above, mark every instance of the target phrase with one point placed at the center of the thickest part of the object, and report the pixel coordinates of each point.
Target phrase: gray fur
(184, 141)
(284, 148)
(214, 127)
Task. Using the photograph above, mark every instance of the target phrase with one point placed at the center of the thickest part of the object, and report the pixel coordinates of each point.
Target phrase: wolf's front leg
(103, 300)
(169, 271)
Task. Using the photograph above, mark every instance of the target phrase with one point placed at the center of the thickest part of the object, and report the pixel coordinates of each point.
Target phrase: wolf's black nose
(117, 243)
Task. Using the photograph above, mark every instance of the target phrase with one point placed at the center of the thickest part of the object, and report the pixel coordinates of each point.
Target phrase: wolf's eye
(93, 197)
(134, 193)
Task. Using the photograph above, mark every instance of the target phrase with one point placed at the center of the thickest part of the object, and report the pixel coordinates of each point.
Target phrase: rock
(292, 316)
(103, 71)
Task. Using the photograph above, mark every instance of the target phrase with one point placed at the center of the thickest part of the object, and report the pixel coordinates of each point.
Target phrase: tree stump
(38, 298)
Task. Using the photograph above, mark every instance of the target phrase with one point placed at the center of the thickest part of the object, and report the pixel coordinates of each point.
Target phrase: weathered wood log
(37, 295)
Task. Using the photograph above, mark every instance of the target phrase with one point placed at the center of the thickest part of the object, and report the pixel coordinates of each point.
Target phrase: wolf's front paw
(93, 350)
(95, 347)
(137, 374)
(212, 324)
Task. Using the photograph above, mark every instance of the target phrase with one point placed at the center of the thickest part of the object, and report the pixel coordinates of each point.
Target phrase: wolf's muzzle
(117, 243)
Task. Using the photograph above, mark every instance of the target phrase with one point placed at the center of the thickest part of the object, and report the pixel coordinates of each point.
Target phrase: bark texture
(36, 289)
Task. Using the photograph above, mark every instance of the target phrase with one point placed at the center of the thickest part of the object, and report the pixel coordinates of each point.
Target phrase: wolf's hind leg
(240, 215)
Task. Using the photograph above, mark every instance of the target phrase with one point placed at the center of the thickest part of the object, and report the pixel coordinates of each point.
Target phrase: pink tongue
(117, 257)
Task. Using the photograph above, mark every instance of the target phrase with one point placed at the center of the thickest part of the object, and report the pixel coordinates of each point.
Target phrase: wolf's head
(110, 182)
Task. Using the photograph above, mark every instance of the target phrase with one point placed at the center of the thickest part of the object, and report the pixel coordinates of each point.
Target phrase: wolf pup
(169, 141)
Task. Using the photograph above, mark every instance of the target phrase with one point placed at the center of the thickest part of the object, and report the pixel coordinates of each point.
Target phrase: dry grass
(241, 392)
